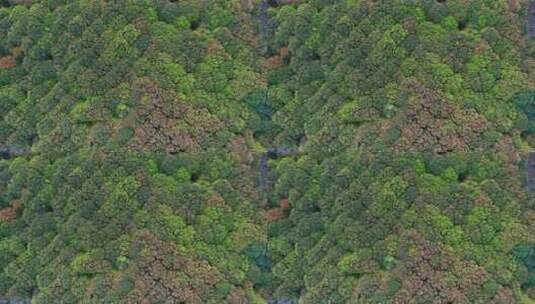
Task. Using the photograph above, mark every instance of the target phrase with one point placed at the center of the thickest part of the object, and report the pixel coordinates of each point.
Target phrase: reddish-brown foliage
(482, 200)
(284, 52)
(506, 148)
(215, 199)
(277, 60)
(7, 214)
(284, 204)
(10, 213)
(274, 215)
(10, 61)
(7, 62)
(247, 5)
(240, 150)
(273, 62)
(215, 48)
(171, 126)
(433, 124)
(431, 274)
(504, 296)
(481, 47)
(163, 274)
(512, 5)
(237, 296)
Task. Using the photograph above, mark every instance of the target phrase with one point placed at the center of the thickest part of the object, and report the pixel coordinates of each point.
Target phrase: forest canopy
(254, 151)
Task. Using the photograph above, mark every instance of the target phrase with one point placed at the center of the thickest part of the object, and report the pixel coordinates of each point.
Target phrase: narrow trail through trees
(272, 153)
(264, 27)
(531, 20)
(11, 152)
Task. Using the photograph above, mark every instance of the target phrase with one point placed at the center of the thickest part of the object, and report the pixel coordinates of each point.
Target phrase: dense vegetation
(241, 151)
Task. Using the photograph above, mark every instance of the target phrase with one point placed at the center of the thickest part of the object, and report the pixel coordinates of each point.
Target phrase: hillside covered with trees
(251, 151)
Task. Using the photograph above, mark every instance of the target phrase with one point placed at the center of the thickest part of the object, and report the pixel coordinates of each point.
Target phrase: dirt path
(11, 152)
(531, 20)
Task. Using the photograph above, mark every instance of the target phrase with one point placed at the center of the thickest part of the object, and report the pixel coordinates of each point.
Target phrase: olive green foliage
(95, 206)
(392, 176)
(146, 122)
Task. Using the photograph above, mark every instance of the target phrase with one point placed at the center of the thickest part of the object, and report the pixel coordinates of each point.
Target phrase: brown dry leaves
(10, 213)
(169, 124)
(432, 123)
